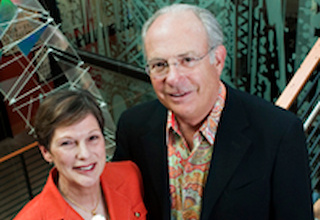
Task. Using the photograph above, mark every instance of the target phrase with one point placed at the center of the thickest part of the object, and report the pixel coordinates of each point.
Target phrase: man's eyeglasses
(159, 68)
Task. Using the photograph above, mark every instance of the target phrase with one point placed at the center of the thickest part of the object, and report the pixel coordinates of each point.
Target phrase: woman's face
(78, 152)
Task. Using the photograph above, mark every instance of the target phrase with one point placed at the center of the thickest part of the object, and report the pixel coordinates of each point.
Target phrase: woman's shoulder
(48, 202)
(122, 167)
(31, 210)
(120, 172)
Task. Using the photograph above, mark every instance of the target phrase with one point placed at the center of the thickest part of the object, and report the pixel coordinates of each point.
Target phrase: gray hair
(211, 25)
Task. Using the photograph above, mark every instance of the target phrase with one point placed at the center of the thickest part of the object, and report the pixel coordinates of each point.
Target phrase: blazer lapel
(229, 148)
(118, 205)
(227, 154)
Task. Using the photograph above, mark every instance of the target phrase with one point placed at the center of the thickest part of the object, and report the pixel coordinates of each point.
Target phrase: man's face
(189, 92)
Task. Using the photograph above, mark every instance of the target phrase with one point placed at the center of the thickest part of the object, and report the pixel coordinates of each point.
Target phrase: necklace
(95, 216)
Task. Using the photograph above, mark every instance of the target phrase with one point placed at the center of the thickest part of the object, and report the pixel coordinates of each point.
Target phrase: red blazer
(122, 187)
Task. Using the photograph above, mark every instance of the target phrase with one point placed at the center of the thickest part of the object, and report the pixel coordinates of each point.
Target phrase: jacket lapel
(227, 154)
(229, 148)
(118, 205)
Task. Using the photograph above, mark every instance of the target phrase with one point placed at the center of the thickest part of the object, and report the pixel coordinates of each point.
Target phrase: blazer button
(137, 214)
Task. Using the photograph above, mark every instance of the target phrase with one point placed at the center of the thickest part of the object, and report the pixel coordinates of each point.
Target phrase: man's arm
(290, 180)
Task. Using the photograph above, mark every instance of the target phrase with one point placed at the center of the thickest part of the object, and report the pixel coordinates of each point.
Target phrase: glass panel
(266, 40)
(36, 60)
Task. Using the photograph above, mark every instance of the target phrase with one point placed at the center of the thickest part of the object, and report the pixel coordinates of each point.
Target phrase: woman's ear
(46, 154)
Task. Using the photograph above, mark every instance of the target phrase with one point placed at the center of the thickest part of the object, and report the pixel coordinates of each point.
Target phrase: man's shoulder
(145, 109)
(145, 106)
(139, 115)
(258, 106)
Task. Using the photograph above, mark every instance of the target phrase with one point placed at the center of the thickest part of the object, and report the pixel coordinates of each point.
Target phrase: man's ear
(46, 154)
(220, 57)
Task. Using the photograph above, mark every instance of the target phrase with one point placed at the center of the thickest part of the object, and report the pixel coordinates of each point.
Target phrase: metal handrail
(312, 117)
(18, 152)
(300, 78)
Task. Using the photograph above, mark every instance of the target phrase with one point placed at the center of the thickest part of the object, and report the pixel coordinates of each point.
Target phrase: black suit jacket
(259, 168)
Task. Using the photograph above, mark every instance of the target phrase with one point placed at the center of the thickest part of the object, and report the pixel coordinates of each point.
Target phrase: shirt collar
(209, 126)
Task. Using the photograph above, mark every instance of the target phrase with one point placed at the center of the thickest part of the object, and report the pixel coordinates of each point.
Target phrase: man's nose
(173, 71)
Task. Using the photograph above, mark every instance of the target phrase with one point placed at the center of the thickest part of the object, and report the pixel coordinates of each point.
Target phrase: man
(207, 151)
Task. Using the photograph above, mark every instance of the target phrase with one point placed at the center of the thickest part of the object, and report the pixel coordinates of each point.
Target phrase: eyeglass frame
(177, 63)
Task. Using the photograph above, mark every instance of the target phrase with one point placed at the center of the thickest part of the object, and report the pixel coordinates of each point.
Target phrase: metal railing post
(26, 175)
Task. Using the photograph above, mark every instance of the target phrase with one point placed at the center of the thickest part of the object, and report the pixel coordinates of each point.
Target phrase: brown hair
(64, 108)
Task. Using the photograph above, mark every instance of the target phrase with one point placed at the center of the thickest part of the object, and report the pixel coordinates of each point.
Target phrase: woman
(69, 127)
